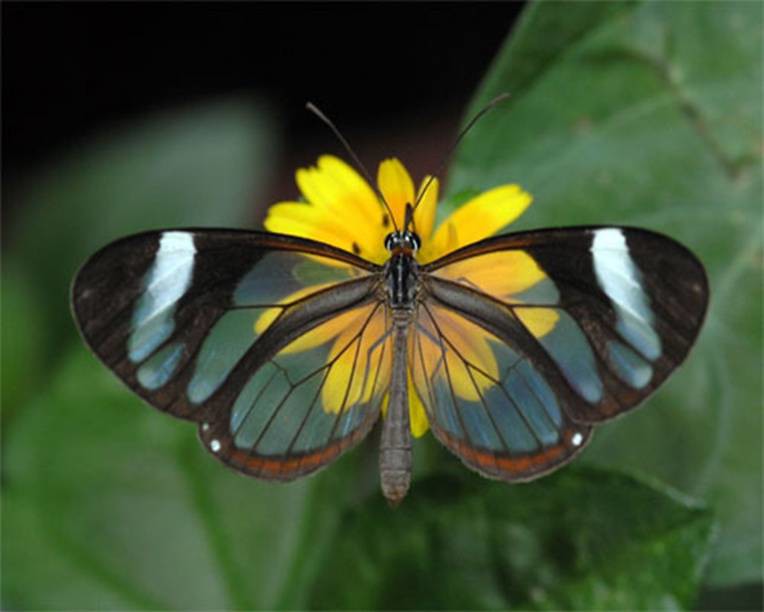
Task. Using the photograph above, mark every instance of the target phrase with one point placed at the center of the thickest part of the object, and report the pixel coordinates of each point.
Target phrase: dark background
(72, 69)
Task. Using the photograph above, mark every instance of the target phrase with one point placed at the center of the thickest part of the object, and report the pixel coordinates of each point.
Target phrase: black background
(70, 70)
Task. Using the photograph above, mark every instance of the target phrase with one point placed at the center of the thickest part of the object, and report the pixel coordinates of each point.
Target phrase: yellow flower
(343, 210)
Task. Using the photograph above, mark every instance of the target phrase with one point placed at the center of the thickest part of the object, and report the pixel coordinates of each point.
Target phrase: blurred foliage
(127, 512)
(23, 320)
(197, 167)
(580, 539)
(621, 113)
(649, 114)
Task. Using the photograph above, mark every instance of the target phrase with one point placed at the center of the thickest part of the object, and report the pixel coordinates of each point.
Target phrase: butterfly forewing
(592, 320)
(281, 348)
(208, 325)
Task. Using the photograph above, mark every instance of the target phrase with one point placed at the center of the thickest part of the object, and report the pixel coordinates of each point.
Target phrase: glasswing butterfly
(285, 351)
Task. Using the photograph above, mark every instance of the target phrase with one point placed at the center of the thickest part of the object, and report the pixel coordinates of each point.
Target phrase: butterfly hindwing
(485, 399)
(597, 316)
(311, 400)
(199, 322)
(280, 348)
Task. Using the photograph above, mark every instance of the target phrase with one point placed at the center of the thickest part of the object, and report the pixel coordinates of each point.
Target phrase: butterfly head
(405, 240)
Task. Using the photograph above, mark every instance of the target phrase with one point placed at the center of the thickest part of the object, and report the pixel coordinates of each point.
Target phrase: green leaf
(84, 464)
(581, 539)
(200, 167)
(649, 114)
(109, 504)
(23, 328)
(36, 575)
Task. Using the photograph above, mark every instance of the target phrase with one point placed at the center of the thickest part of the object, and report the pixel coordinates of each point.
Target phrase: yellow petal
(443, 242)
(500, 274)
(318, 335)
(265, 319)
(342, 203)
(471, 344)
(352, 185)
(465, 341)
(357, 365)
(418, 421)
(321, 224)
(538, 321)
(306, 221)
(335, 185)
(396, 185)
(481, 217)
(424, 215)
(417, 416)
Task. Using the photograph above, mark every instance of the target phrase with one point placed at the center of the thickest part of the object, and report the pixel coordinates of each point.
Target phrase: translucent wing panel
(283, 276)
(486, 401)
(605, 314)
(173, 313)
(159, 368)
(512, 276)
(312, 399)
(226, 343)
(571, 352)
(166, 281)
(276, 281)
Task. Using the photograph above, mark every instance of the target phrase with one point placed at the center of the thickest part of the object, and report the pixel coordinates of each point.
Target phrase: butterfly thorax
(402, 271)
(402, 287)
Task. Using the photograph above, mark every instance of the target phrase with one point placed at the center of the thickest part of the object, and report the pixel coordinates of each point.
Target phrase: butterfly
(286, 350)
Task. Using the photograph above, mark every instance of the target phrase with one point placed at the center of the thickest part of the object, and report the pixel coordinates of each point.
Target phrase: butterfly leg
(395, 447)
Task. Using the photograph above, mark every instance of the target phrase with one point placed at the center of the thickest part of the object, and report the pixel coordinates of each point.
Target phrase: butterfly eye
(407, 239)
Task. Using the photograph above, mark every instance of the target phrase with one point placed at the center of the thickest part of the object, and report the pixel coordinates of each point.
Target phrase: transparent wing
(486, 401)
(194, 320)
(612, 311)
(576, 325)
(313, 399)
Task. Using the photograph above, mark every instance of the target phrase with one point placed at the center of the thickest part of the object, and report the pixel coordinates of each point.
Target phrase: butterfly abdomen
(395, 446)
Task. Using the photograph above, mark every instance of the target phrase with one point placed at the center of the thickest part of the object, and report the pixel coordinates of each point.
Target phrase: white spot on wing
(167, 280)
(616, 272)
(215, 446)
(576, 439)
(170, 275)
(620, 279)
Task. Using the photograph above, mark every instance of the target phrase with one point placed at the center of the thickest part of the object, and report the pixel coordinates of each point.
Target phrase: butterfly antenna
(408, 218)
(447, 157)
(359, 164)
